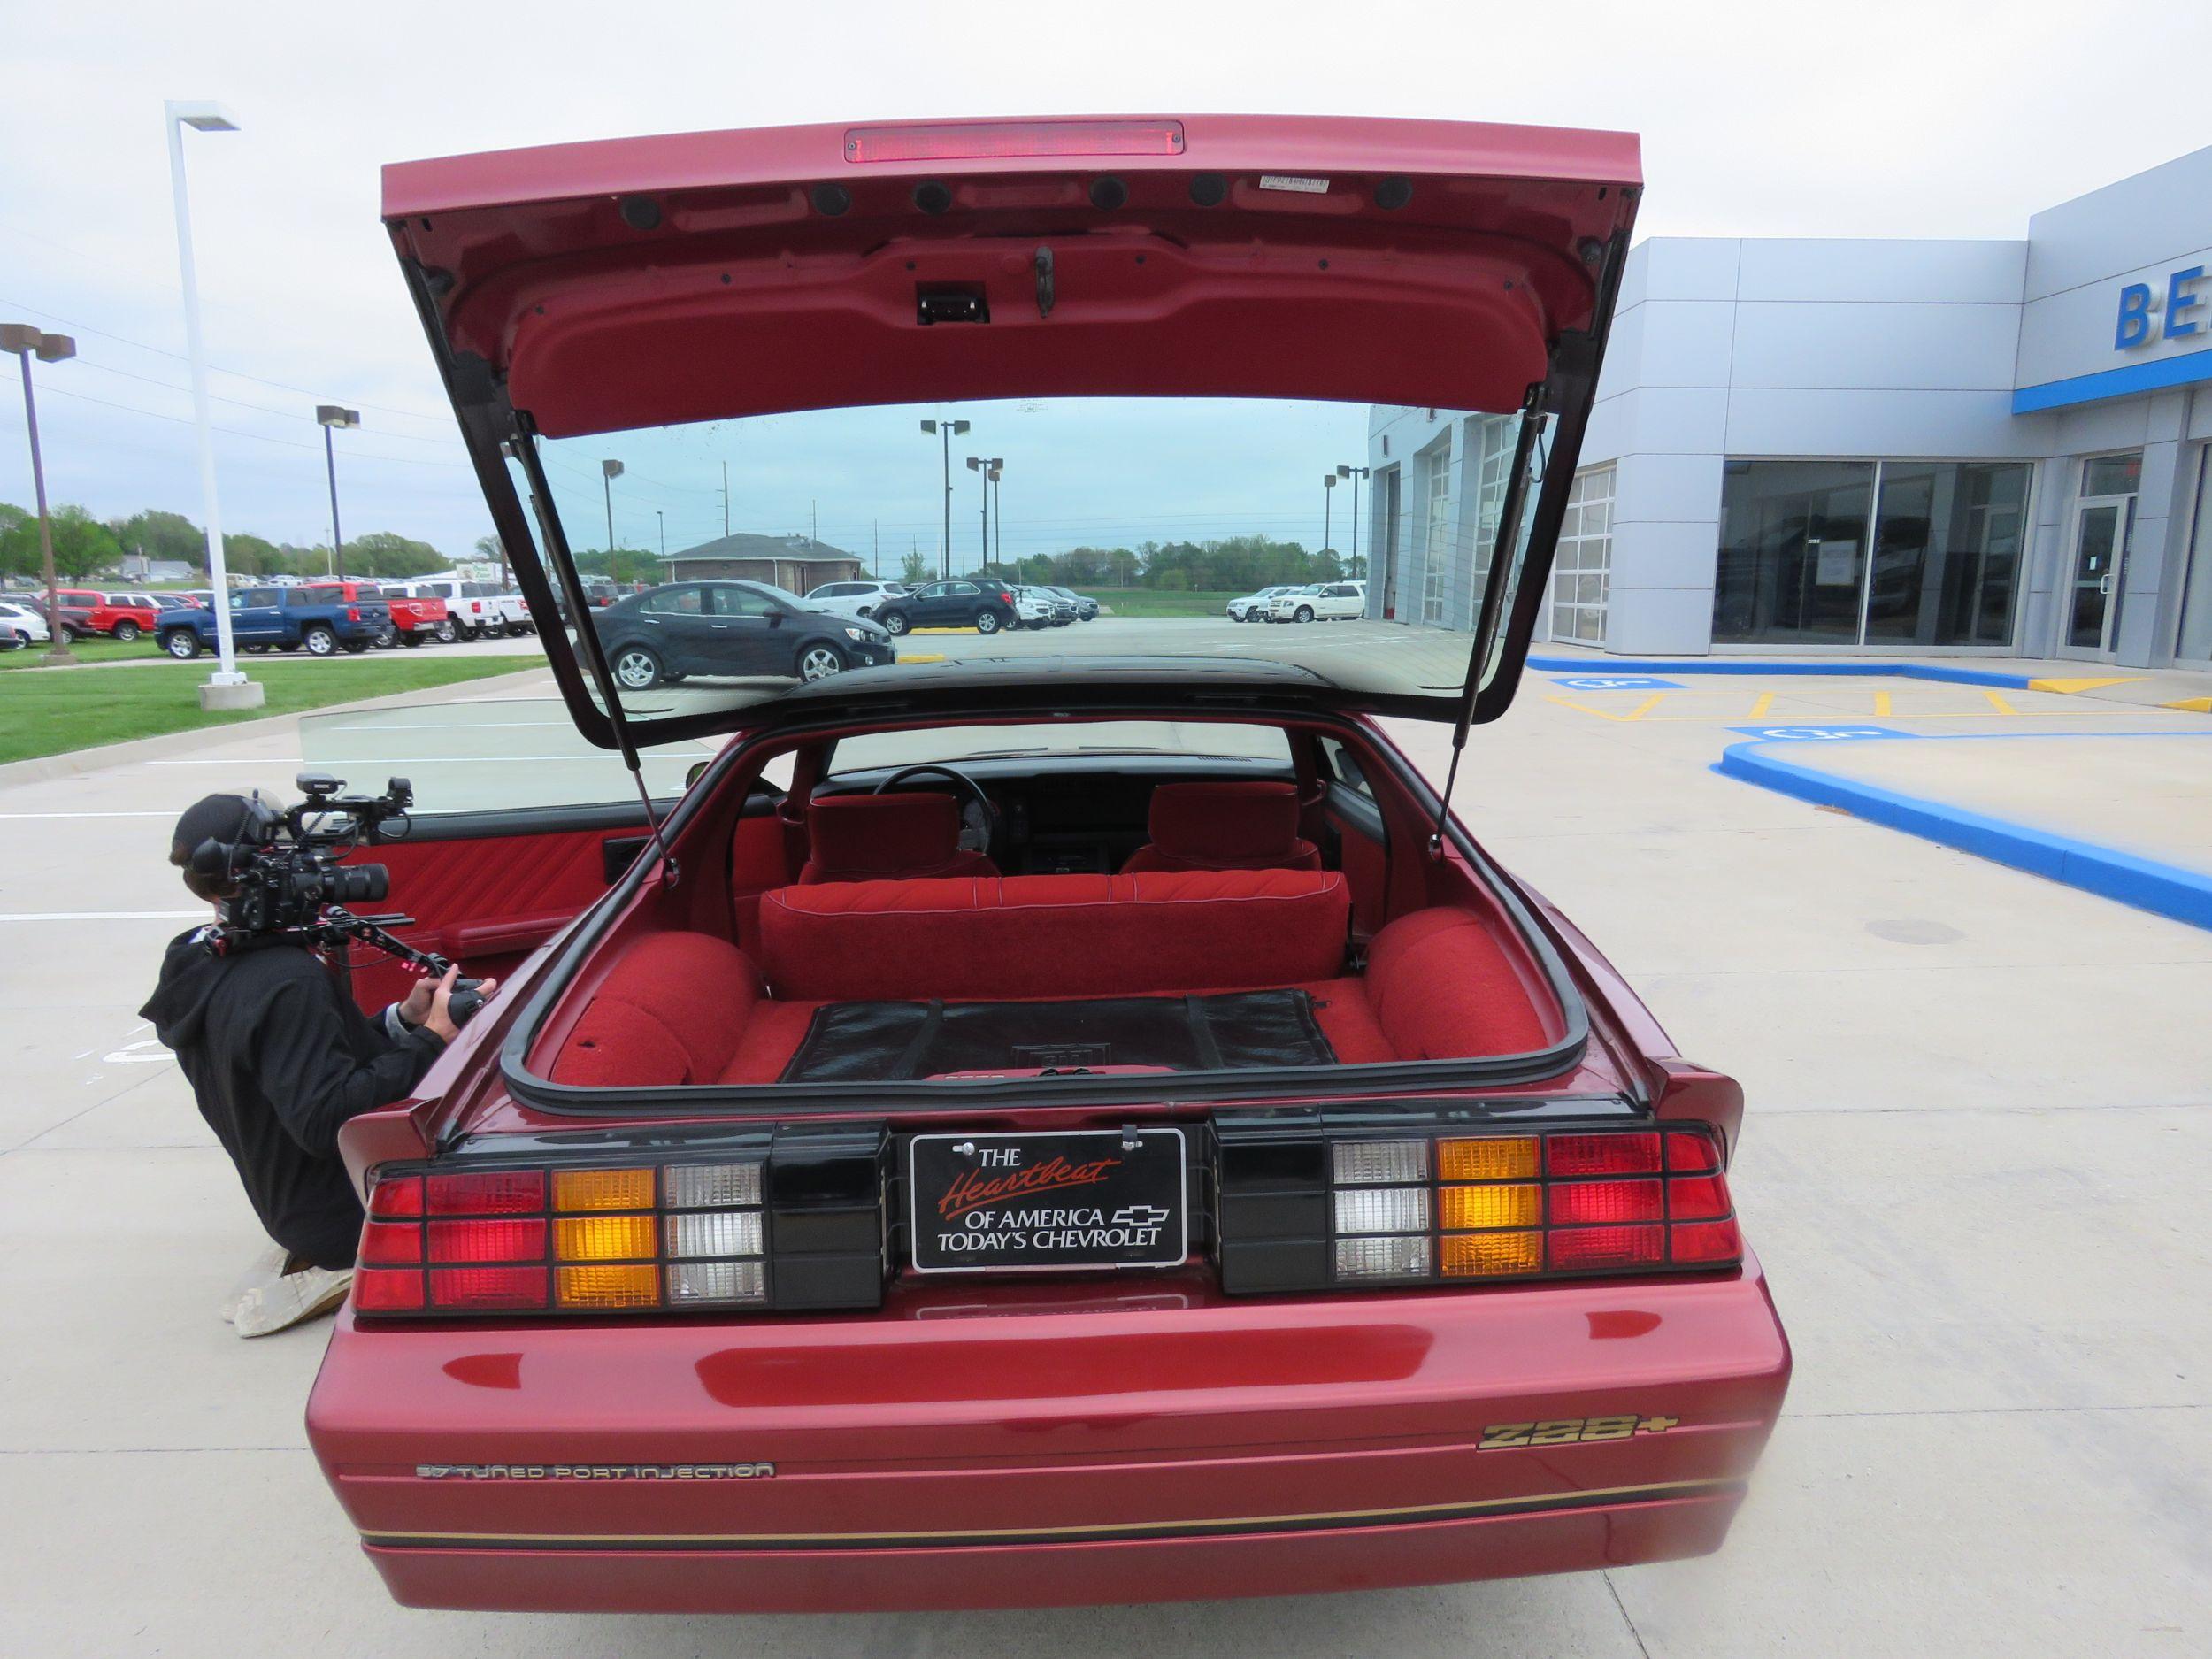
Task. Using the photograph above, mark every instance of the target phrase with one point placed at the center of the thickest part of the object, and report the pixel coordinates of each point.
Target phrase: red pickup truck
(84, 612)
(414, 621)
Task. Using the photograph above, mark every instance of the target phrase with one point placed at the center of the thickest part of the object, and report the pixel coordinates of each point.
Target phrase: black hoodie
(279, 1056)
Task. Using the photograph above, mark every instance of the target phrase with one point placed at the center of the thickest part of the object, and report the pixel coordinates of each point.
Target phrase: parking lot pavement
(1973, 1169)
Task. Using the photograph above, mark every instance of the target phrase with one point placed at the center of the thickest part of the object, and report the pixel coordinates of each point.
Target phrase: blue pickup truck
(318, 619)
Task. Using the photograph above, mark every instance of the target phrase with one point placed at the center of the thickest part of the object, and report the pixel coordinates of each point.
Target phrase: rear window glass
(1214, 739)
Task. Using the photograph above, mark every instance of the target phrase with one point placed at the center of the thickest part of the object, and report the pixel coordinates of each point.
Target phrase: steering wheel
(979, 818)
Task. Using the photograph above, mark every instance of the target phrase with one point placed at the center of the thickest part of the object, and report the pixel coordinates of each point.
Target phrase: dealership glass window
(1436, 537)
(1794, 567)
(2196, 590)
(1583, 567)
(1947, 542)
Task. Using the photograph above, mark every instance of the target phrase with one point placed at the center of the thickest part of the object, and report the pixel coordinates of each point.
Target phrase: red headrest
(1227, 826)
(863, 837)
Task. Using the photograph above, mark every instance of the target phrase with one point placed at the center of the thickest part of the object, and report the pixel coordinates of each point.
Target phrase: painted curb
(2168, 890)
(1877, 669)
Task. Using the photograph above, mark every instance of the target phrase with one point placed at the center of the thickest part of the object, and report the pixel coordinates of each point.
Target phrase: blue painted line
(2169, 890)
(2185, 370)
(1855, 670)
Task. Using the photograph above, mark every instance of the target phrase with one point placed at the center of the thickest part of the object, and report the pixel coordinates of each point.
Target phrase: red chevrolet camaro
(1058, 1118)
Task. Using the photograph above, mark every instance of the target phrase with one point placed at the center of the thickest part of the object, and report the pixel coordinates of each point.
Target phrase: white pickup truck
(475, 609)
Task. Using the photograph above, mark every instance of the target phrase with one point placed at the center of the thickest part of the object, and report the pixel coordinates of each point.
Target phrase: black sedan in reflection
(731, 630)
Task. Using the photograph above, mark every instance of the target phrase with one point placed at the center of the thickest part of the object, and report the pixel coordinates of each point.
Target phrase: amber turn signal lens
(1459, 1207)
(603, 1238)
(631, 1287)
(602, 1189)
(1481, 1254)
(1492, 1158)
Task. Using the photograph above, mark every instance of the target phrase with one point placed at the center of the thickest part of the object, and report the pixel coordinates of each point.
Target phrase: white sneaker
(266, 1266)
(291, 1299)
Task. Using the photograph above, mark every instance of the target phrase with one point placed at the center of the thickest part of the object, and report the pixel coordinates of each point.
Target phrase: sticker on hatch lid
(1058, 1200)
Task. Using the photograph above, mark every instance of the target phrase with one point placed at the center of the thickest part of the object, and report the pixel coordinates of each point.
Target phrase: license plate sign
(1056, 1202)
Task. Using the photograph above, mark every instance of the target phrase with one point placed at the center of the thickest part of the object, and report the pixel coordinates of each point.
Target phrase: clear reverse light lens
(1383, 1209)
(690, 1283)
(712, 1186)
(1376, 1163)
(714, 1233)
(1382, 1258)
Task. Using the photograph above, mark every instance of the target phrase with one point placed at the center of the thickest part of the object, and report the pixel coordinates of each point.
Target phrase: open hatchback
(1044, 1116)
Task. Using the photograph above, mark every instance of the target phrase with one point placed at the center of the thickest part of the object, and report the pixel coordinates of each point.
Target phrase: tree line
(85, 547)
(1238, 564)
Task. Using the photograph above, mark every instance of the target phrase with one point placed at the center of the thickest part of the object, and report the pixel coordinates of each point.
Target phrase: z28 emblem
(1571, 1431)
(595, 1471)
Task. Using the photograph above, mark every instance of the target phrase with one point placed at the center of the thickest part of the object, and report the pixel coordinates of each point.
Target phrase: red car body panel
(91, 612)
(409, 615)
(1111, 1442)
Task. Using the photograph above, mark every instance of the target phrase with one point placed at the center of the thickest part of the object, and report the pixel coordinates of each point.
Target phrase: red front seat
(1224, 826)
(887, 838)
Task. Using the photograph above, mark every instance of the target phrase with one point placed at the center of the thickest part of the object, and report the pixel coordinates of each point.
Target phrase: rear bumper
(996, 1447)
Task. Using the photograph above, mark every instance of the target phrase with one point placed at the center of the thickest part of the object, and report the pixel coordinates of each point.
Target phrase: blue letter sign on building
(2138, 300)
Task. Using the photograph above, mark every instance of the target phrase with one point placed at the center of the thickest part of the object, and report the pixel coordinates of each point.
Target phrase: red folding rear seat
(1053, 936)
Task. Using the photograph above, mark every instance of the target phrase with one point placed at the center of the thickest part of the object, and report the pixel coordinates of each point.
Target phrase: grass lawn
(63, 709)
(1148, 602)
(84, 651)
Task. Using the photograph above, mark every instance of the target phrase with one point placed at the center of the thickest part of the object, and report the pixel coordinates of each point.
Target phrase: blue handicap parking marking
(1617, 682)
(1818, 733)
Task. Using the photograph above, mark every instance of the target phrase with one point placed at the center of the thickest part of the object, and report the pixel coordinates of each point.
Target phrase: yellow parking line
(1881, 703)
(1760, 707)
(2193, 705)
(925, 656)
(1999, 703)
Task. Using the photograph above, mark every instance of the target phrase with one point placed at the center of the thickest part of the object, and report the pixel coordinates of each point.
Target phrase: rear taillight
(1304, 1211)
(796, 1224)
(477, 606)
(353, 613)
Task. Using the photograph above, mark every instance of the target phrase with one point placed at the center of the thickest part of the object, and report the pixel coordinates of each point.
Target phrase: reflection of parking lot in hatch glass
(480, 756)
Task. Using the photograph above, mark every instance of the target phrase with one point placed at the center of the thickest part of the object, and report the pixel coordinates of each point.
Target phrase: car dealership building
(1865, 447)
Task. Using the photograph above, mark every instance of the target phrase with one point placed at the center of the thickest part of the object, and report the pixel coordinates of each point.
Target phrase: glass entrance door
(2104, 517)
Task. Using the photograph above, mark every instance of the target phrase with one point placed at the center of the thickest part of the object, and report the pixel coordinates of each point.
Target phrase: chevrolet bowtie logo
(1139, 1216)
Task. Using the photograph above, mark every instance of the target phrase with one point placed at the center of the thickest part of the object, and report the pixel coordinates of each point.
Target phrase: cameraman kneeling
(279, 1056)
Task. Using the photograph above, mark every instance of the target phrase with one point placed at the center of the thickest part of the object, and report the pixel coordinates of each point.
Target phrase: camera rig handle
(341, 924)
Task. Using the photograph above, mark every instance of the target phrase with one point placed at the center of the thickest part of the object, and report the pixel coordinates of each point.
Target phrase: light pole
(984, 469)
(660, 518)
(225, 687)
(947, 431)
(609, 470)
(998, 520)
(330, 417)
(1355, 474)
(28, 342)
(1328, 499)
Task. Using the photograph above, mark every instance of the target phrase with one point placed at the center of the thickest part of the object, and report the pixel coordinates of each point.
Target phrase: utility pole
(330, 417)
(875, 545)
(1328, 498)
(998, 520)
(609, 470)
(726, 500)
(1355, 474)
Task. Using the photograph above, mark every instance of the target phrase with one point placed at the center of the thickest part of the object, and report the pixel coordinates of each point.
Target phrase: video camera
(288, 883)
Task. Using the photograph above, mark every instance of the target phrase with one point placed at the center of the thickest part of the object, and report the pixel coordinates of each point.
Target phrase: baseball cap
(217, 817)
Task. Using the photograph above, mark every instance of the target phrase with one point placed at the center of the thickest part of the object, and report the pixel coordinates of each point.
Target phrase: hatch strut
(1501, 558)
(524, 448)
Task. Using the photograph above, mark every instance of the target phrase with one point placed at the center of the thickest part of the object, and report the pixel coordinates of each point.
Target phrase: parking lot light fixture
(945, 431)
(609, 470)
(331, 417)
(28, 342)
(1352, 567)
(225, 687)
(998, 518)
(1328, 497)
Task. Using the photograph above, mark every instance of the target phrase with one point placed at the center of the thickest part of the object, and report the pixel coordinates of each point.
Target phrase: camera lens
(357, 884)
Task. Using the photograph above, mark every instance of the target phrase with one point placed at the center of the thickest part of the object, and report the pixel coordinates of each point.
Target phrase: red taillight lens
(984, 140)
(1596, 1204)
(1584, 1248)
(1708, 1242)
(1687, 1151)
(1602, 1155)
(353, 613)
(392, 1244)
(505, 1192)
(502, 1240)
(487, 1286)
(397, 1196)
(1697, 1198)
(387, 1290)
(1006, 599)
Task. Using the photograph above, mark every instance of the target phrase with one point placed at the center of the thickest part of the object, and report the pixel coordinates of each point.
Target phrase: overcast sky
(1834, 120)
